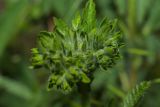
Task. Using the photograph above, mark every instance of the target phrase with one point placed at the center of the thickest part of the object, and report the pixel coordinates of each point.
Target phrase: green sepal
(76, 21)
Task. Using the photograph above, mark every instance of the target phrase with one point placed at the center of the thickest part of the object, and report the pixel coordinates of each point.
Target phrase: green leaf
(138, 52)
(89, 16)
(136, 94)
(52, 81)
(85, 78)
(107, 26)
(59, 82)
(72, 9)
(76, 22)
(73, 71)
(16, 88)
(45, 39)
(61, 27)
(34, 51)
(66, 87)
(37, 59)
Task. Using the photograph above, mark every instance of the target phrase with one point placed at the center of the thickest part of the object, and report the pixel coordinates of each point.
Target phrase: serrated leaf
(107, 26)
(37, 60)
(61, 27)
(104, 22)
(135, 95)
(46, 40)
(76, 21)
(66, 87)
(52, 81)
(89, 16)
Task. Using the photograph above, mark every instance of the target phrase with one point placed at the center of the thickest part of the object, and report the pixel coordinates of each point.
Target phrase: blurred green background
(22, 20)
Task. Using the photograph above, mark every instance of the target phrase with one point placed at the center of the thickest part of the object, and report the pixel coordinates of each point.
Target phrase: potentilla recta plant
(72, 53)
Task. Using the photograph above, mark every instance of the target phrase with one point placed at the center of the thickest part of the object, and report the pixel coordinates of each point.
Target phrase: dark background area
(22, 20)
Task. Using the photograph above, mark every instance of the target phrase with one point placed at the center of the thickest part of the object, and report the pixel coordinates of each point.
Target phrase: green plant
(73, 53)
(132, 99)
(21, 87)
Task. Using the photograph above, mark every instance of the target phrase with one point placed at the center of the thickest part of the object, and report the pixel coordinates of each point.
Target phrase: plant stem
(132, 33)
(84, 90)
(132, 17)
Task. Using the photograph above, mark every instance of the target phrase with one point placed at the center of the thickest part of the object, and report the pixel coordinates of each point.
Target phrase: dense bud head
(73, 53)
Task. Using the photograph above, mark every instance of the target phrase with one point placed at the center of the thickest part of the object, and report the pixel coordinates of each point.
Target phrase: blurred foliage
(20, 22)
